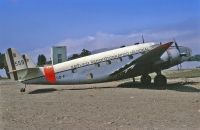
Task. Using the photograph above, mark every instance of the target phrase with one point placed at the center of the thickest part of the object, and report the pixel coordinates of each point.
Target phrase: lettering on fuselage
(109, 58)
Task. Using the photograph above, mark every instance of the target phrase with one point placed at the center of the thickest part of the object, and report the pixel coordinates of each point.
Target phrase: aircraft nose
(185, 52)
(189, 52)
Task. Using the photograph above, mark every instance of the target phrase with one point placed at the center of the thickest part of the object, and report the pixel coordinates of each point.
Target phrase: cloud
(34, 54)
(184, 37)
(107, 40)
(97, 41)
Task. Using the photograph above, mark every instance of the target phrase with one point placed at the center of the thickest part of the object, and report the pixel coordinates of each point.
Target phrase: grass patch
(189, 73)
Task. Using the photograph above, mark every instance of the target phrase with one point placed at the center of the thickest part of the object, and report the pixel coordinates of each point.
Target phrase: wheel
(160, 81)
(145, 80)
(22, 90)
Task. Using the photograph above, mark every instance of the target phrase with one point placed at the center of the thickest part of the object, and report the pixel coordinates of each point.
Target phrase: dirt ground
(108, 106)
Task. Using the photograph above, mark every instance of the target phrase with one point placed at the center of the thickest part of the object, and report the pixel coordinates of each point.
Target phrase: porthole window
(97, 64)
(120, 58)
(130, 57)
(74, 70)
(90, 76)
(108, 62)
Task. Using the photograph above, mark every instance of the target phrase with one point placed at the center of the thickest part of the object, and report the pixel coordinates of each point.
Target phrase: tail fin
(16, 64)
(29, 62)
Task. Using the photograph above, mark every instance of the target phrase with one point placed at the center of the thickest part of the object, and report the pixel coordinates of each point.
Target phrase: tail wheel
(133, 79)
(160, 81)
(22, 90)
(146, 80)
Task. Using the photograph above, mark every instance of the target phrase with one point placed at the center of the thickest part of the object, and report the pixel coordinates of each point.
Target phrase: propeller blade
(177, 47)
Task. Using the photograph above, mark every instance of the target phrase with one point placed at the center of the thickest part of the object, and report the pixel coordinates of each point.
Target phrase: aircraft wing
(148, 57)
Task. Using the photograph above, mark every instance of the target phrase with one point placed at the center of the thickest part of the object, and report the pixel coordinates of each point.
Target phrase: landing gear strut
(160, 81)
(133, 79)
(23, 89)
(145, 79)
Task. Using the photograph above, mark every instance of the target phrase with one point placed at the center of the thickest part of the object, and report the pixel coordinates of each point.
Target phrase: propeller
(177, 47)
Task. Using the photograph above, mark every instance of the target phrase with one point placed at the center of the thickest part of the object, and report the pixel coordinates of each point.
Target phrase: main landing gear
(160, 81)
(22, 90)
(145, 79)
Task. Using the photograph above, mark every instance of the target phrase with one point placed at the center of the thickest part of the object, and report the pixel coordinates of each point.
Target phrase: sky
(34, 26)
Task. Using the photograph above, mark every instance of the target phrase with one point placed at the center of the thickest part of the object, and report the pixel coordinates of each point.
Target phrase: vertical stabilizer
(16, 64)
(28, 61)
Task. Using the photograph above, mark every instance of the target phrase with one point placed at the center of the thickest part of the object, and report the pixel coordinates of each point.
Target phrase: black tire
(145, 80)
(160, 81)
(22, 90)
(133, 79)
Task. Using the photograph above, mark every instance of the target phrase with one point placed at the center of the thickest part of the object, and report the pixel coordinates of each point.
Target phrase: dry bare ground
(111, 106)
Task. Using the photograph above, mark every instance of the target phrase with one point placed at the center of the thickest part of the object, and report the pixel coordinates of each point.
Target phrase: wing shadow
(180, 86)
(50, 90)
(46, 90)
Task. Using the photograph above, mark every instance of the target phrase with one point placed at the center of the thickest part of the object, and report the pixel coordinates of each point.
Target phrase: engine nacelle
(172, 56)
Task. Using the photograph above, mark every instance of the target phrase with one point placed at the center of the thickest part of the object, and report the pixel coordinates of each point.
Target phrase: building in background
(58, 54)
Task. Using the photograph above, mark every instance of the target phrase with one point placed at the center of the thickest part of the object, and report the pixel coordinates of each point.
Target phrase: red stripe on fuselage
(49, 74)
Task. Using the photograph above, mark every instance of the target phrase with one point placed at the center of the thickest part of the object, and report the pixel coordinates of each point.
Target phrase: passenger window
(120, 58)
(130, 57)
(108, 62)
(90, 76)
(74, 70)
(97, 64)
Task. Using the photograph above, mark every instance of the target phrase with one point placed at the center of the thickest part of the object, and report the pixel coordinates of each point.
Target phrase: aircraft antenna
(142, 39)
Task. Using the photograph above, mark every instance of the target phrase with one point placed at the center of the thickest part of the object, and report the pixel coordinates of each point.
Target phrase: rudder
(16, 64)
(28, 61)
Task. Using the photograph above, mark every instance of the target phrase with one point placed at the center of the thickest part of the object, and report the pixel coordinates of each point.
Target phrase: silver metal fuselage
(98, 67)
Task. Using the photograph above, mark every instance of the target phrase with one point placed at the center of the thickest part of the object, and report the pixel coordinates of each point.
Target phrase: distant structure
(58, 54)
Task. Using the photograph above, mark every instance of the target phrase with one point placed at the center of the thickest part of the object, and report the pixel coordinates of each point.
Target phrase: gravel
(118, 105)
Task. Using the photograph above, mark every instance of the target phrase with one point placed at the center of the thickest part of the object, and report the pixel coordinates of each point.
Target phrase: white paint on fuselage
(95, 68)
(86, 69)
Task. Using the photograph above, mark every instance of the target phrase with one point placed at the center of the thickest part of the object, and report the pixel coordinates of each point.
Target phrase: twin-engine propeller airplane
(117, 64)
